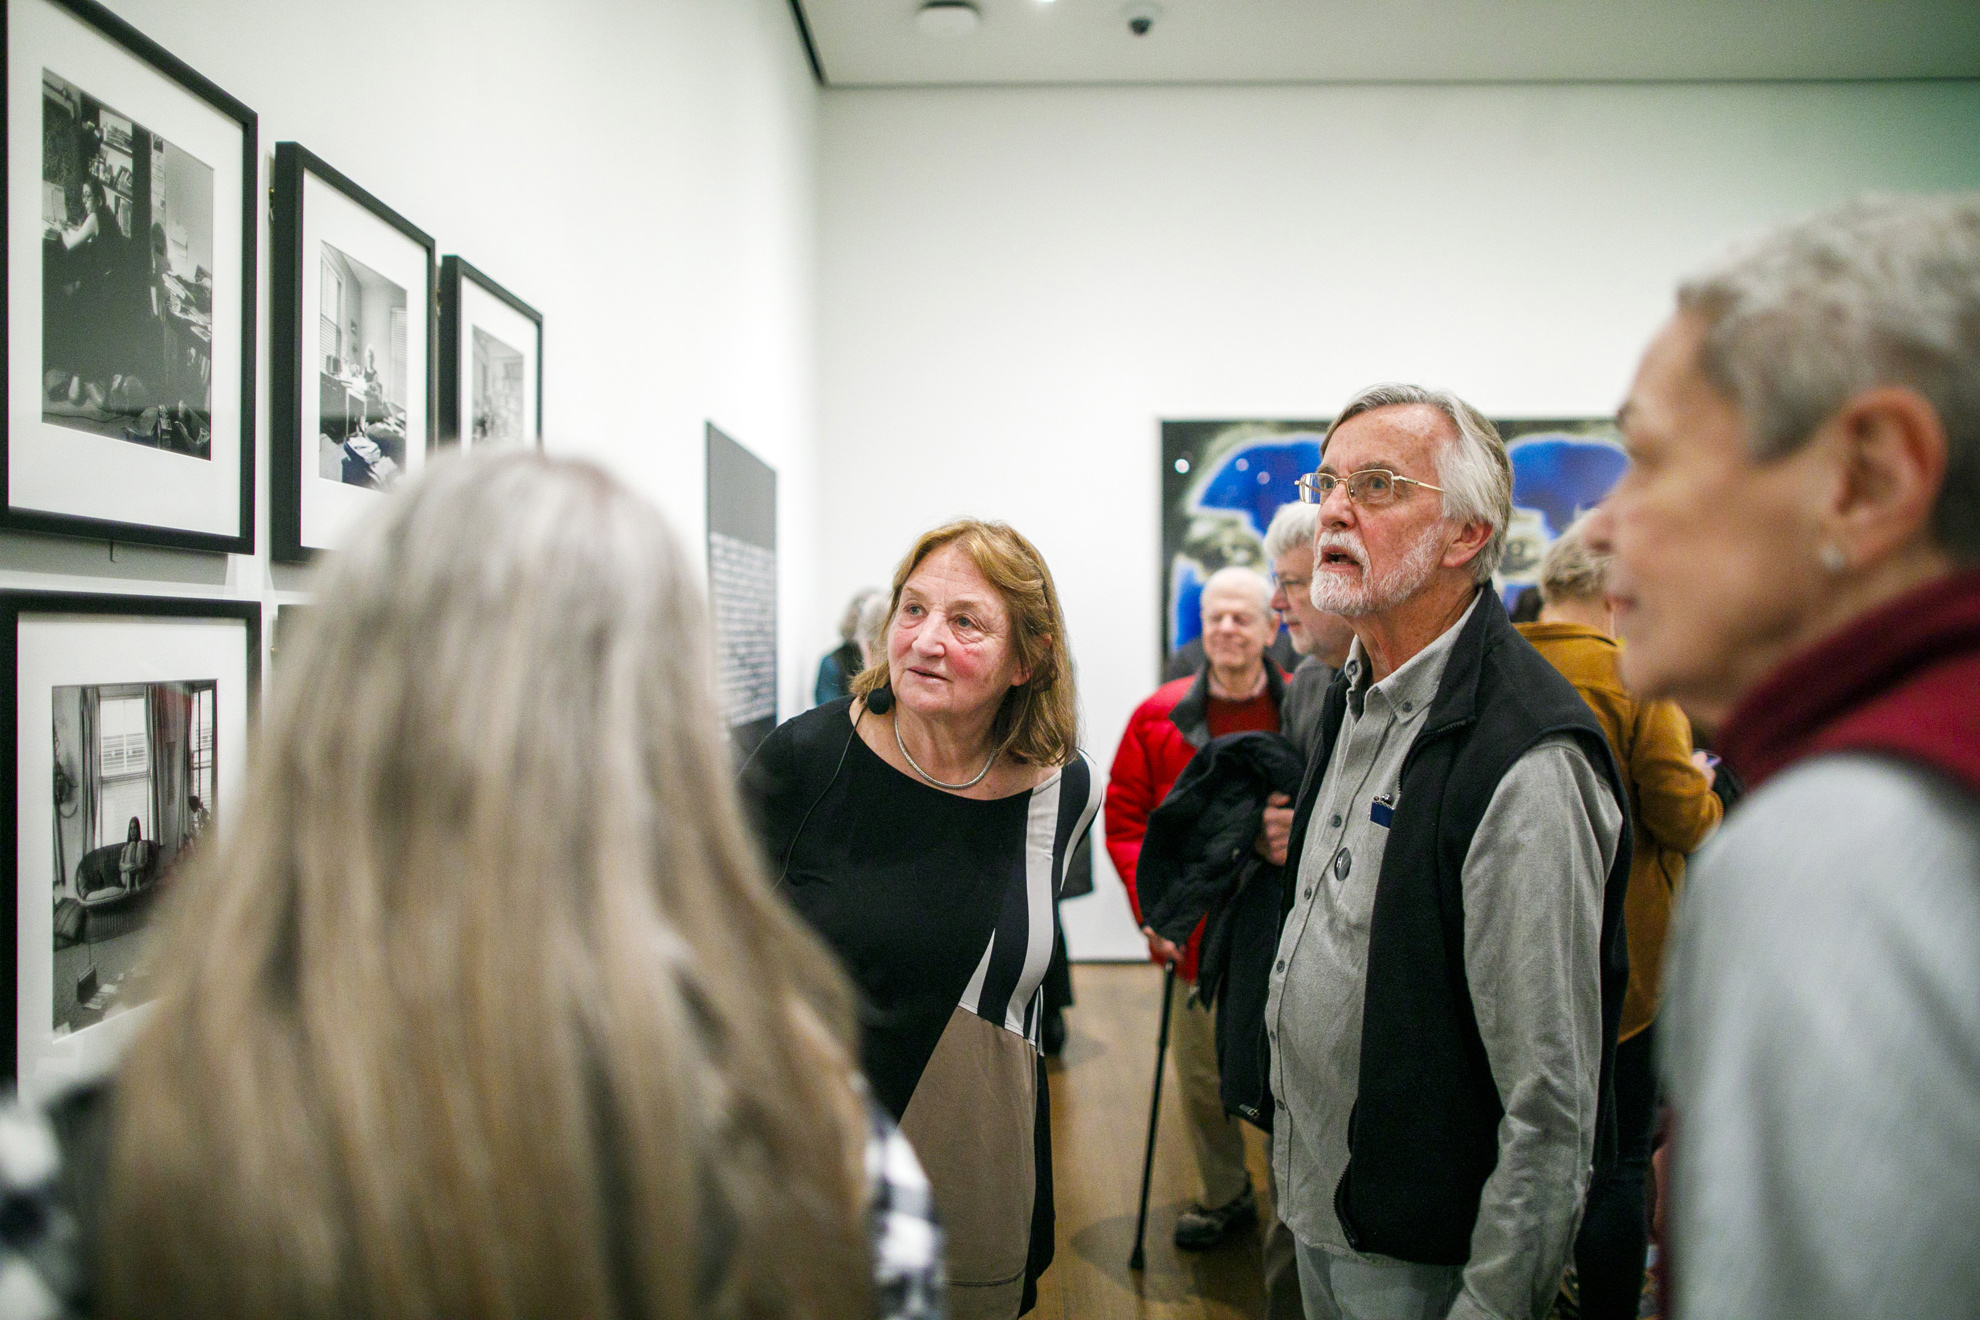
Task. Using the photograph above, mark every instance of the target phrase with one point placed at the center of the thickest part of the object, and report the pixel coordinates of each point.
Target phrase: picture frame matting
(353, 288)
(130, 272)
(157, 696)
(491, 362)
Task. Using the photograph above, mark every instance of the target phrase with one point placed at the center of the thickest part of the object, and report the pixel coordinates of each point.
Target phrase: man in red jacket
(1238, 690)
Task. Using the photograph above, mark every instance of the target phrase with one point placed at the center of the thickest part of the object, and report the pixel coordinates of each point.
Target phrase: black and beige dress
(940, 909)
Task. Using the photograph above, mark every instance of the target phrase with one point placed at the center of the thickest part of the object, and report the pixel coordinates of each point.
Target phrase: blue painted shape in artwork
(1187, 592)
(1258, 478)
(1559, 476)
(1253, 481)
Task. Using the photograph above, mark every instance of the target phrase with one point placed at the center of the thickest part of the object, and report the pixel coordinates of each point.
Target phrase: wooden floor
(1100, 1091)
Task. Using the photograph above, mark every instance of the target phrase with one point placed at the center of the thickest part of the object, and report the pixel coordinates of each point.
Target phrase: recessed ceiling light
(948, 18)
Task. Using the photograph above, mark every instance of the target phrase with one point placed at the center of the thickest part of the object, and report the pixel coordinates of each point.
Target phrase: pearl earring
(1832, 557)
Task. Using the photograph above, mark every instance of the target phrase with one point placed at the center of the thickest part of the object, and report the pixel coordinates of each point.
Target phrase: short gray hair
(1879, 291)
(1571, 569)
(1474, 469)
(849, 621)
(869, 628)
(1293, 526)
(1238, 577)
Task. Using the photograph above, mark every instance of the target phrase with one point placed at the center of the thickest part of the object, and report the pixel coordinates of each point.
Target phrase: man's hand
(1160, 949)
(1277, 829)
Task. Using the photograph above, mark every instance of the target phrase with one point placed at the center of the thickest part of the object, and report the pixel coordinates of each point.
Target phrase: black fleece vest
(1423, 1135)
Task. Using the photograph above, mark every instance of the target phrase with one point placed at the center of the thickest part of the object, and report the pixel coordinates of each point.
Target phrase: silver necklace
(941, 783)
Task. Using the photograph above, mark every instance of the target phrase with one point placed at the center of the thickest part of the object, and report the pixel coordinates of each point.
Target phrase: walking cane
(1137, 1260)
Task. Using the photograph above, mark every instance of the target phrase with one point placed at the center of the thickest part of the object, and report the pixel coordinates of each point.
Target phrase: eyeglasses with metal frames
(1371, 488)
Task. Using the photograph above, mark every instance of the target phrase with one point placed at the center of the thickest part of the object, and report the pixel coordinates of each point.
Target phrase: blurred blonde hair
(1039, 719)
(1571, 570)
(484, 1007)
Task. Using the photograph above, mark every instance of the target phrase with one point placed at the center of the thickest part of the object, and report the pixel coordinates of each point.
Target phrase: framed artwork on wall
(491, 362)
(742, 588)
(130, 278)
(351, 293)
(1223, 480)
(125, 728)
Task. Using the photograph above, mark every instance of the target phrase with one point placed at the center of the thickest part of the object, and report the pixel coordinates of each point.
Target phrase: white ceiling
(863, 43)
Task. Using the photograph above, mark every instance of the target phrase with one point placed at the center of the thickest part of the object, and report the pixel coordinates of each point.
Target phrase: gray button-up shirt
(1532, 881)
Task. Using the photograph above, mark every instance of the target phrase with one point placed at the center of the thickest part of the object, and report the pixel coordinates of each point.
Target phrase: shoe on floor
(1200, 1228)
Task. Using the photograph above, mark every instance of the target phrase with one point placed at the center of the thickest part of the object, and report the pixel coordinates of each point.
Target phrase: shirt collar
(1413, 686)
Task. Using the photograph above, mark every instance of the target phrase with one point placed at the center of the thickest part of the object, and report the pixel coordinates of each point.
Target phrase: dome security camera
(1141, 16)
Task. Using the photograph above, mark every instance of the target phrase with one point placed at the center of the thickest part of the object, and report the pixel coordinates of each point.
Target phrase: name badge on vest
(1383, 810)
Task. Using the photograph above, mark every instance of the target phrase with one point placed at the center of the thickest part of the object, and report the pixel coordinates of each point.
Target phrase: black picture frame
(13, 605)
(26, 498)
(292, 539)
(455, 272)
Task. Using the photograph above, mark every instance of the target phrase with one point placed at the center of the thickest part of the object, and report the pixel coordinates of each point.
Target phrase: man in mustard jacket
(1672, 810)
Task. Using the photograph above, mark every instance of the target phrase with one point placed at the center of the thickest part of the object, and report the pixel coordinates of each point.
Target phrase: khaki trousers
(1213, 1134)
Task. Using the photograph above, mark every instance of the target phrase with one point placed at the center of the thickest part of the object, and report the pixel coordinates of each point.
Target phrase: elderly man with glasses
(1442, 1011)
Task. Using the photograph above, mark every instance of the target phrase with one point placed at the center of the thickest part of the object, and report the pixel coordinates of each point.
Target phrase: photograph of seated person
(361, 404)
(127, 285)
(483, 1004)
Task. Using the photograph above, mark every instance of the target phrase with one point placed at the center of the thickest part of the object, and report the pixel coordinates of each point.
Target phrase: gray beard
(1378, 592)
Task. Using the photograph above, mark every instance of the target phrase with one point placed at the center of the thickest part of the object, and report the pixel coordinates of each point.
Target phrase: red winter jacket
(1162, 735)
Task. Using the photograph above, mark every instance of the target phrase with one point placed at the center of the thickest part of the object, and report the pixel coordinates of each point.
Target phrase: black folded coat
(1197, 861)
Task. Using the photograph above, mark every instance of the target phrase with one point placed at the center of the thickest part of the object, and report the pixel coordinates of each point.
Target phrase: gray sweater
(1821, 1044)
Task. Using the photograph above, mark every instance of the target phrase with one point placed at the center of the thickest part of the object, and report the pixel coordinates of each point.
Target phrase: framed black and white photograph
(742, 588)
(352, 301)
(126, 721)
(130, 276)
(491, 363)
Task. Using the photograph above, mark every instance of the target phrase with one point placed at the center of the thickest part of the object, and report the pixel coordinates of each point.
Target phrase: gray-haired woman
(1797, 552)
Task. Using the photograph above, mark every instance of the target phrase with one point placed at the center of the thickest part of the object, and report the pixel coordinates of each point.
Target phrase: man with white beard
(1443, 1006)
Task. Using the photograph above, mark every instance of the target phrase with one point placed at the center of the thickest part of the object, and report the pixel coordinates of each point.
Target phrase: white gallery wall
(1016, 285)
(642, 173)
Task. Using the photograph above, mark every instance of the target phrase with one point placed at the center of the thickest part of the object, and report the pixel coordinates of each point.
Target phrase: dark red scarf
(1904, 679)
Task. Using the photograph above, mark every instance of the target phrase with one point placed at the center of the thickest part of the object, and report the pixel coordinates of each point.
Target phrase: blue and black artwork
(1560, 470)
(1223, 480)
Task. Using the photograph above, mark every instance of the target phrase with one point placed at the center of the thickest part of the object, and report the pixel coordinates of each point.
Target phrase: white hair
(1879, 291)
(1572, 569)
(855, 608)
(1473, 469)
(1292, 526)
(874, 612)
(1236, 577)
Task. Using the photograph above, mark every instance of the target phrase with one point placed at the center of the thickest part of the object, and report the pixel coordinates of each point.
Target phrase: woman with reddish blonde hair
(922, 826)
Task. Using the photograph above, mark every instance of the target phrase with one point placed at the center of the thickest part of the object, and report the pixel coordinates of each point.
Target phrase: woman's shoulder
(1077, 782)
(1080, 767)
(819, 731)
